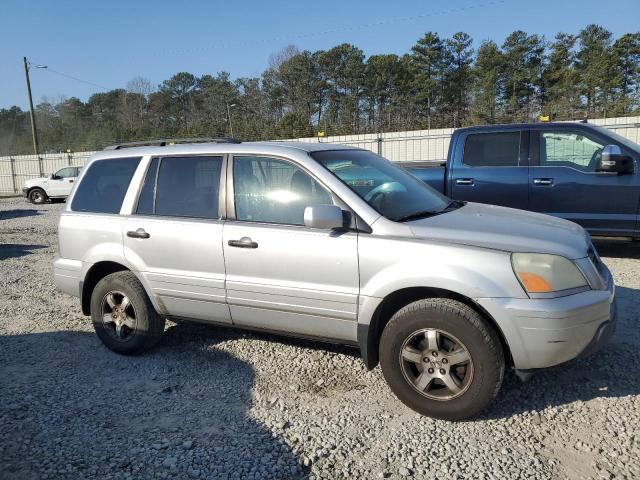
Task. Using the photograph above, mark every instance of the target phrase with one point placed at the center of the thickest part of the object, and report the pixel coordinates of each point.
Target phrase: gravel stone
(216, 403)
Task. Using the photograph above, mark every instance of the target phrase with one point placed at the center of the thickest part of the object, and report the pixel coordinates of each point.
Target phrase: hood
(506, 229)
(35, 181)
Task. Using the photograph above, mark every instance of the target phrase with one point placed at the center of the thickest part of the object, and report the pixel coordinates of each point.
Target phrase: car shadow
(182, 411)
(617, 248)
(609, 372)
(18, 213)
(187, 331)
(606, 373)
(16, 250)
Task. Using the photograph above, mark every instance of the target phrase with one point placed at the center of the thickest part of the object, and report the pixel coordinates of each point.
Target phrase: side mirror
(612, 160)
(53, 176)
(325, 217)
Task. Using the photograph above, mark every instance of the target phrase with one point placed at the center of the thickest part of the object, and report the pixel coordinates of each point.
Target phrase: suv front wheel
(123, 316)
(442, 359)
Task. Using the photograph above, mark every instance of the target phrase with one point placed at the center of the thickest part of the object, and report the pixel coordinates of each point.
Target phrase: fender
(410, 270)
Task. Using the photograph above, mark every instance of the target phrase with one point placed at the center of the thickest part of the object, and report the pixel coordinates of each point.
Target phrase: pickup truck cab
(57, 186)
(577, 171)
(335, 244)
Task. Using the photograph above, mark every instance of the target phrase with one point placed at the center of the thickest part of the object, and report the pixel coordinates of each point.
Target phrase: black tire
(37, 196)
(147, 326)
(447, 317)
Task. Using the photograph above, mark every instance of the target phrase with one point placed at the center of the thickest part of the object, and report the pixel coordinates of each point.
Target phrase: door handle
(543, 181)
(70, 181)
(464, 181)
(244, 242)
(139, 233)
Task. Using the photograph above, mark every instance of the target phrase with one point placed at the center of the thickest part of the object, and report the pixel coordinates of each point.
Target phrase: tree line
(441, 82)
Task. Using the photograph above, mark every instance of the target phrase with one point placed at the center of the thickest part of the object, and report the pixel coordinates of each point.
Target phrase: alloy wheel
(436, 364)
(119, 315)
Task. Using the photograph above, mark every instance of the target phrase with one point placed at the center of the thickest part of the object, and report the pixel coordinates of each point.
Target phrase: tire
(37, 196)
(408, 362)
(129, 330)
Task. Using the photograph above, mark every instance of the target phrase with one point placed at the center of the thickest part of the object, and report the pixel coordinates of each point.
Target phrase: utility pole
(34, 133)
(229, 117)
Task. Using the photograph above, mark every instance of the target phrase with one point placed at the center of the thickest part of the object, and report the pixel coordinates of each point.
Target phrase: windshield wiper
(453, 205)
(416, 215)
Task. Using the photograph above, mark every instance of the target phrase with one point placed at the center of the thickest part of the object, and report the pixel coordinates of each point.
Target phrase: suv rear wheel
(123, 316)
(442, 359)
(37, 196)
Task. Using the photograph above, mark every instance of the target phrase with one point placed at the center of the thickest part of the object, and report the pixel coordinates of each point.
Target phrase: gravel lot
(218, 403)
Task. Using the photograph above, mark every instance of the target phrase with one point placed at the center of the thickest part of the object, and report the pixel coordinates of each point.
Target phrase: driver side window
(68, 172)
(274, 191)
(569, 149)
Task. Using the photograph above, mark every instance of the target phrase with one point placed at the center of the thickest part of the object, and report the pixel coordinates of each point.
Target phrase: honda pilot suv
(335, 244)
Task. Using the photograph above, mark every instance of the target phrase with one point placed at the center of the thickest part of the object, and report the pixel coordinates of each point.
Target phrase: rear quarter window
(104, 185)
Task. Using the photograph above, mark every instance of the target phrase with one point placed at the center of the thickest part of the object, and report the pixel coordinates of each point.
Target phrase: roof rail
(170, 141)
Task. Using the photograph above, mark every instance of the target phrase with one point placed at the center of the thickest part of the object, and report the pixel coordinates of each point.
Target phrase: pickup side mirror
(612, 160)
(325, 217)
(53, 176)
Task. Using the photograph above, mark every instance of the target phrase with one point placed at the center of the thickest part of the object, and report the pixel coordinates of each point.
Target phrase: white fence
(426, 145)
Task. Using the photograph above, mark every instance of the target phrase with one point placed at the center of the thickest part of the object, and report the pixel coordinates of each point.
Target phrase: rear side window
(500, 149)
(104, 185)
(182, 187)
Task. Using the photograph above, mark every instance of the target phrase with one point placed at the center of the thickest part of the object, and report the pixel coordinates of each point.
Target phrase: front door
(62, 182)
(564, 182)
(282, 275)
(174, 237)
(491, 167)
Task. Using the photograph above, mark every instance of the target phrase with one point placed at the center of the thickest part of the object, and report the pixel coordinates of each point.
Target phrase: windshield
(389, 189)
(619, 138)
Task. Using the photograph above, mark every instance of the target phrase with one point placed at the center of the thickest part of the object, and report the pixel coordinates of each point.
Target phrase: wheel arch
(369, 334)
(96, 273)
(37, 187)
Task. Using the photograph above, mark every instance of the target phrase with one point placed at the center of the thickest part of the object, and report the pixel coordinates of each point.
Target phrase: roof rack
(170, 141)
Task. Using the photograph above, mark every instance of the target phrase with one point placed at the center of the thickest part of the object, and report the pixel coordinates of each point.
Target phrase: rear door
(563, 181)
(491, 167)
(174, 236)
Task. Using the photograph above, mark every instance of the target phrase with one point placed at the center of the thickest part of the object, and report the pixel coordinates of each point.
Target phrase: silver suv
(336, 244)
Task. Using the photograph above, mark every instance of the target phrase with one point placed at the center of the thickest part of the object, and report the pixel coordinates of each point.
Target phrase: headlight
(543, 273)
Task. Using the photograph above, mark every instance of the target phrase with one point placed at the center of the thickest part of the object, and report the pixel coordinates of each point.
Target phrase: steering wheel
(375, 194)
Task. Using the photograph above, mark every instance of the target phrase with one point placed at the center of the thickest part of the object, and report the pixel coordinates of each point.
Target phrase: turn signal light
(534, 283)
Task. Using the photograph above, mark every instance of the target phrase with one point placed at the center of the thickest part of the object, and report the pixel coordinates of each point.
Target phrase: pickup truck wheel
(123, 316)
(442, 359)
(37, 196)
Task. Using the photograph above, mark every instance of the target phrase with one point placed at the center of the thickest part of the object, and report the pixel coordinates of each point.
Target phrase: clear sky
(111, 41)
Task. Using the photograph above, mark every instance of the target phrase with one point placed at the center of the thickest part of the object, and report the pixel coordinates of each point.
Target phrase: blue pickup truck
(578, 171)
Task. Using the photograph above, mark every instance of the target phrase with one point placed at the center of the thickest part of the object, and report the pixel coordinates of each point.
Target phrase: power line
(49, 69)
(346, 28)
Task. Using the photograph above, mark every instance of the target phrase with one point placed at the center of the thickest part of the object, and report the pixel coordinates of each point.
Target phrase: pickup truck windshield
(389, 189)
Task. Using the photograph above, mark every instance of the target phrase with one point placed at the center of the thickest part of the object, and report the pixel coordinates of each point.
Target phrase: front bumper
(25, 192)
(542, 333)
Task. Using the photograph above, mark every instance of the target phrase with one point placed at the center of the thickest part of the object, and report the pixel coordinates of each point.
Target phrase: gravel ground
(218, 403)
